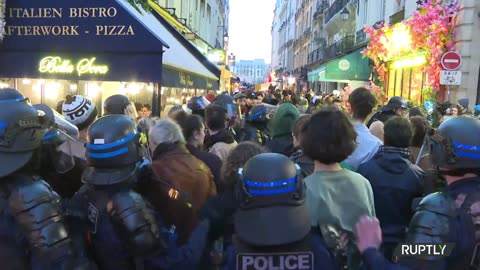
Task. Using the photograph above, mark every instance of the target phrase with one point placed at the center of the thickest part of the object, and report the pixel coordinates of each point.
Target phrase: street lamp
(345, 14)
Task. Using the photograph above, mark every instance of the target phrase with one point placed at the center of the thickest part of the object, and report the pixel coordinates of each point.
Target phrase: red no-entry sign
(451, 60)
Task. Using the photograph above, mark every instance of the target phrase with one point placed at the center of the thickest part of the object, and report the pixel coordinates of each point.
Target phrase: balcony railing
(335, 8)
(338, 48)
(360, 36)
(397, 17)
(322, 5)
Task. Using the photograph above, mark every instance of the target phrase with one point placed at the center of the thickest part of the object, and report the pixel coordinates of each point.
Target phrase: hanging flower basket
(430, 29)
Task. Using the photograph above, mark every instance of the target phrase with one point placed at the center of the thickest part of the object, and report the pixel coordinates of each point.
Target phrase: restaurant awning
(350, 67)
(183, 65)
(80, 40)
(101, 40)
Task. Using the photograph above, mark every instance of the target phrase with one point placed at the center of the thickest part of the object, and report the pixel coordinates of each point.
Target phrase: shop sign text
(71, 29)
(185, 80)
(58, 65)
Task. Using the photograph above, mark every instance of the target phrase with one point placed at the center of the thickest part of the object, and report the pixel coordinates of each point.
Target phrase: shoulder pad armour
(37, 211)
(129, 211)
(432, 220)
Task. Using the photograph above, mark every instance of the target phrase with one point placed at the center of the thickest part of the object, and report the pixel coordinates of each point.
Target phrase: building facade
(283, 34)
(251, 71)
(205, 21)
(302, 43)
(409, 80)
(275, 59)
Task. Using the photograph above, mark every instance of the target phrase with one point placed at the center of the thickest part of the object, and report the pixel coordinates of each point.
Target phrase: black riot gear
(197, 105)
(388, 111)
(271, 191)
(456, 144)
(120, 104)
(227, 102)
(21, 131)
(32, 226)
(60, 133)
(114, 148)
(453, 146)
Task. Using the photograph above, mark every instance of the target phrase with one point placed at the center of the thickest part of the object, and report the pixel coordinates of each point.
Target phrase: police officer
(396, 106)
(235, 121)
(33, 234)
(120, 104)
(125, 232)
(450, 216)
(197, 105)
(272, 224)
(256, 129)
(63, 174)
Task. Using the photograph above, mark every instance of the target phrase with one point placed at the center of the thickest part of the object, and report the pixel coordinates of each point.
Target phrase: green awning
(314, 75)
(350, 67)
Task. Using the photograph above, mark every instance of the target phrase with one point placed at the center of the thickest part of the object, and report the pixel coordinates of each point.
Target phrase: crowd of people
(243, 181)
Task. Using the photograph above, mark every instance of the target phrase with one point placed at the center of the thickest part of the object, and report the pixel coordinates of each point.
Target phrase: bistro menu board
(78, 39)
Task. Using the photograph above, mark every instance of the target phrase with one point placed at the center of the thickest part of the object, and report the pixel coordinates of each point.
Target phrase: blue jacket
(323, 259)
(395, 183)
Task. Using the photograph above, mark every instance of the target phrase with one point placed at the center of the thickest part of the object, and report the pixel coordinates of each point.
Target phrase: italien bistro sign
(70, 29)
(79, 40)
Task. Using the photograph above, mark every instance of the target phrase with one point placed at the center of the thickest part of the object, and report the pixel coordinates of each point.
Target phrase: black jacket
(395, 183)
(211, 160)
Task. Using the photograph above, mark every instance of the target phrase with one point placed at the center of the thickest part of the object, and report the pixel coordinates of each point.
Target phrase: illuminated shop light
(73, 87)
(150, 87)
(4, 85)
(26, 81)
(51, 90)
(409, 62)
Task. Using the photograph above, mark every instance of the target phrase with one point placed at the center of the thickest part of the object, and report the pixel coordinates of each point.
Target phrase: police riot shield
(426, 149)
(57, 142)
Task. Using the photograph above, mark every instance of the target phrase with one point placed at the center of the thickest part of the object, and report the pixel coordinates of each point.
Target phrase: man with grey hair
(173, 164)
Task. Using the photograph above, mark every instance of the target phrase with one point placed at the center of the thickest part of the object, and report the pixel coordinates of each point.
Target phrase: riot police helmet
(197, 105)
(227, 102)
(114, 147)
(58, 139)
(454, 147)
(120, 104)
(260, 113)
(395, 103)
(21, 131)
(272, 202)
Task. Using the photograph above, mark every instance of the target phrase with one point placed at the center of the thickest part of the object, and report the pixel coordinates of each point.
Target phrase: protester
(395, 182)
(174, 166)
(281, 127)
(220, 141)
(362, 102)
(335, 197)
(305, 163)
(194, 134)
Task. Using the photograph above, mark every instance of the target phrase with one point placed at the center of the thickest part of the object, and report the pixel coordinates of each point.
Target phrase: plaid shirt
(404, 152)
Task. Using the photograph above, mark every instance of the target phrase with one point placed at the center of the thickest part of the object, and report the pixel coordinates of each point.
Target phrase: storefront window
(406, 82)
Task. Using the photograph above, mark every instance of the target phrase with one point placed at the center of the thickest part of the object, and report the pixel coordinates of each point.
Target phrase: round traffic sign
(451, 60)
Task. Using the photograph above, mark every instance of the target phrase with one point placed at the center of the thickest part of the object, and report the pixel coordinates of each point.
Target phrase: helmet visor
(131, 111)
